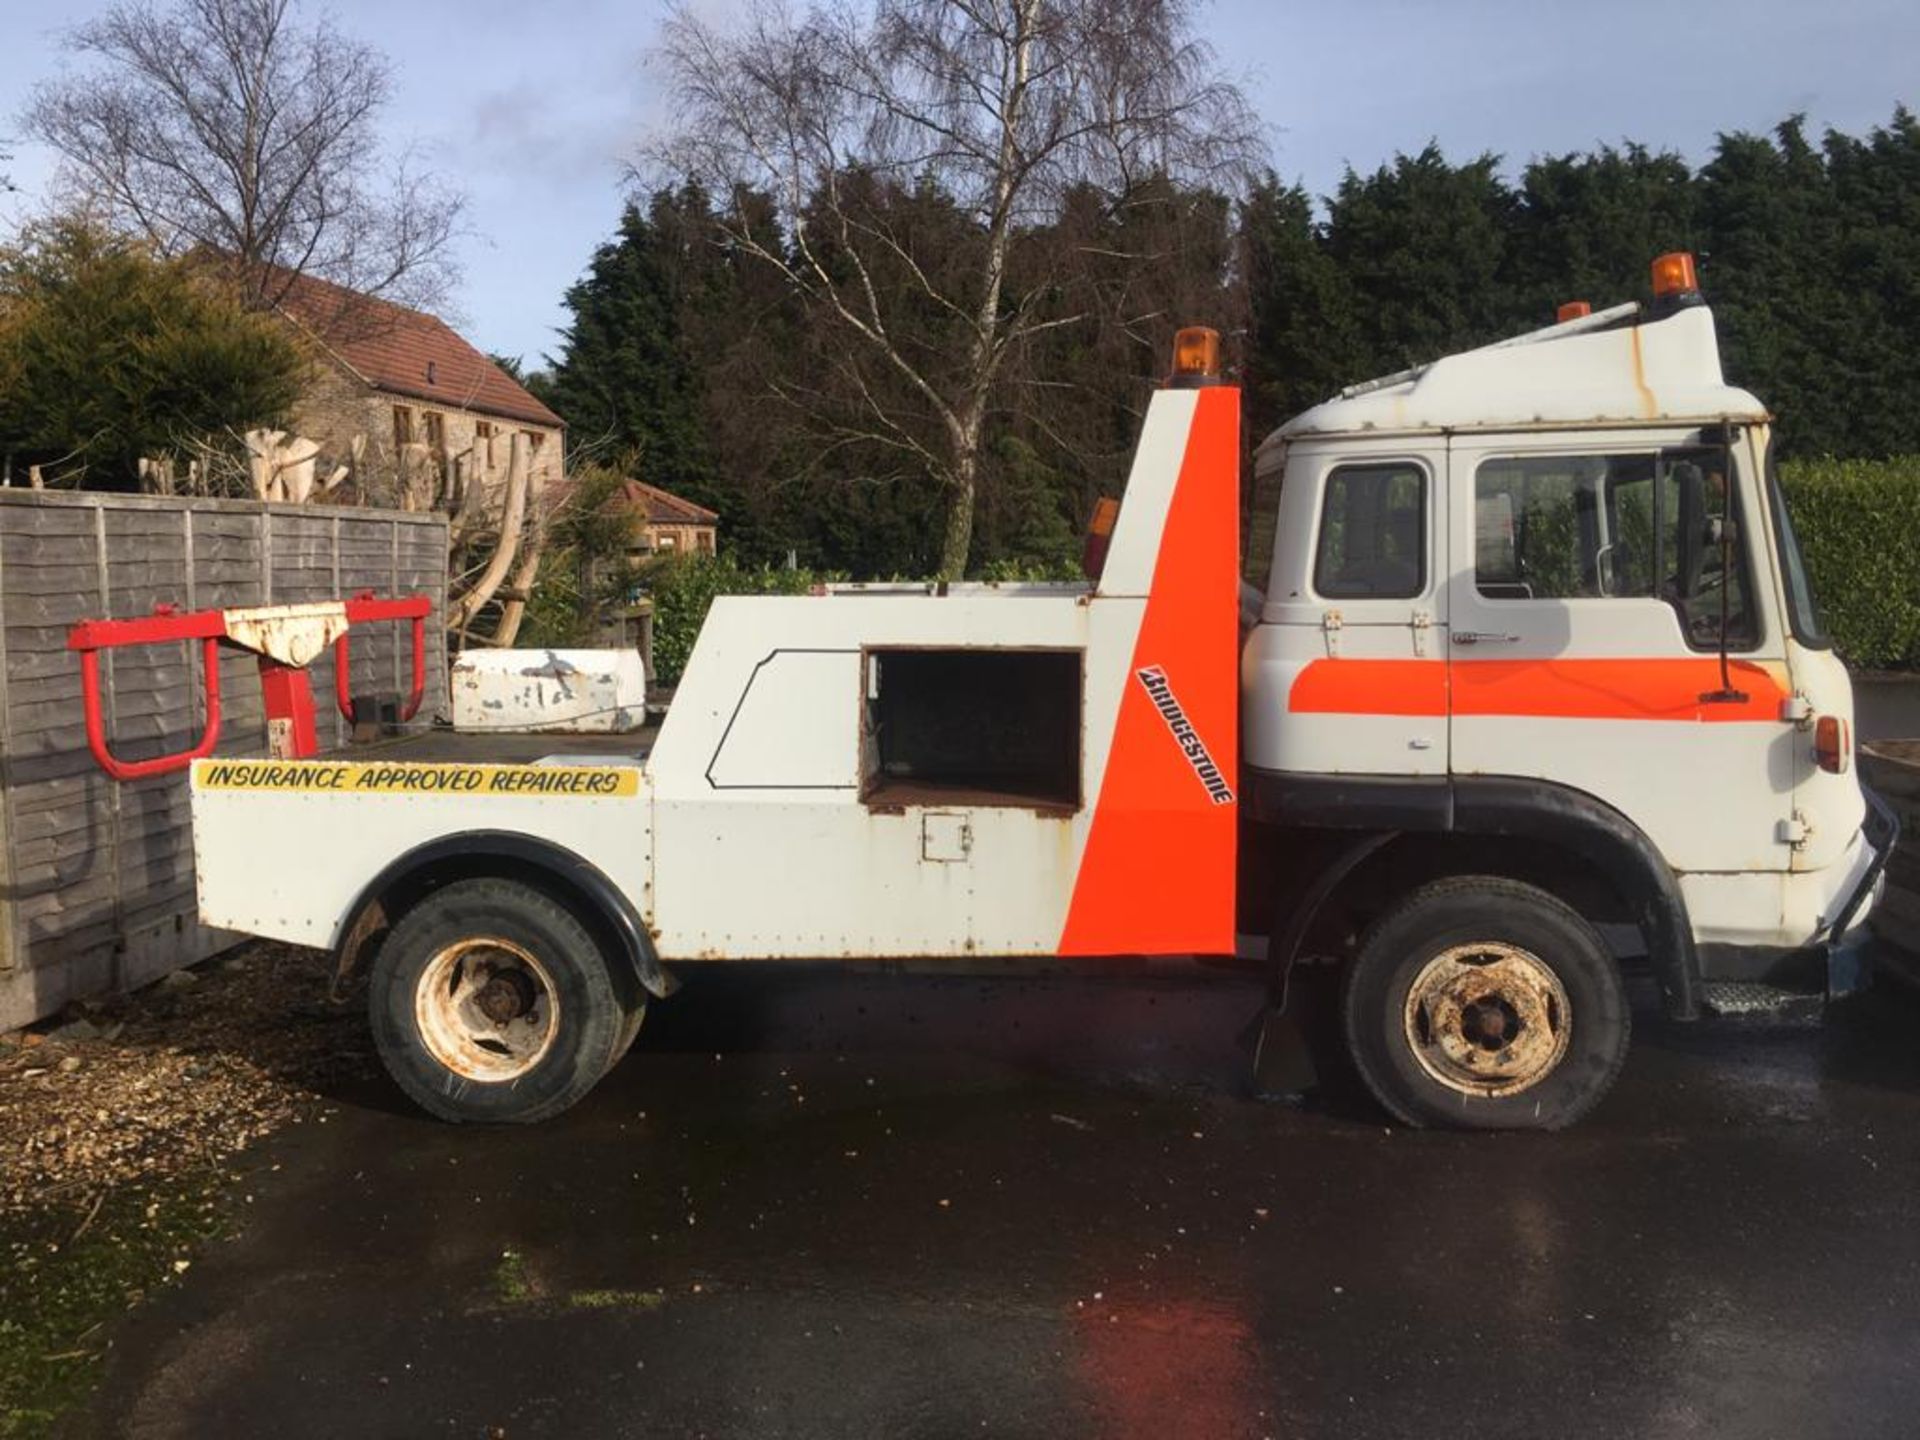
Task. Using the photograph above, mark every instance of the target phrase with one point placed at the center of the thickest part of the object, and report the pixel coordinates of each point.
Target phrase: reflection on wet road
(841, 1204)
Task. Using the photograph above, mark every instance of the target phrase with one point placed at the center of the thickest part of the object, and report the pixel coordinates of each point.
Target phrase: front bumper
(1832, 962)
(1848, 968)
(1882, 832)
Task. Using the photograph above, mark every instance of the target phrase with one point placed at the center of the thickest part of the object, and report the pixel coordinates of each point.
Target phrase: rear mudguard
(515, 856)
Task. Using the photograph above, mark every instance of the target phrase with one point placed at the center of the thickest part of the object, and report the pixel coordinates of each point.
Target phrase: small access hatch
(945, 836)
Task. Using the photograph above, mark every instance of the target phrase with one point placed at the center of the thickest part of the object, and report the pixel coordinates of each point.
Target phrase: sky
(535, 110)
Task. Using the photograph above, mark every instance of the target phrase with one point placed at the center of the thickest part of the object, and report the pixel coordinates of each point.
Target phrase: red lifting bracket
(365, 609)
(284, 639)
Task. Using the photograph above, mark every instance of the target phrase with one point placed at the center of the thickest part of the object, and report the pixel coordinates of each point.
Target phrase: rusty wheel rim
(1488, 1019)
(486, 1009)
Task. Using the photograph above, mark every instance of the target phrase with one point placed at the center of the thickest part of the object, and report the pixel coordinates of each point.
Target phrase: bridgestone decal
(324, 777)
(1188, 739)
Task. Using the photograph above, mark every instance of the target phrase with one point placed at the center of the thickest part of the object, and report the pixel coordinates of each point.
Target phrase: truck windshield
(1803, 610)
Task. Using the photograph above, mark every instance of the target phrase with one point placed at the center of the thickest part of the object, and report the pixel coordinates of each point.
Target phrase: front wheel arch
(1563, 840)
(1609, 845)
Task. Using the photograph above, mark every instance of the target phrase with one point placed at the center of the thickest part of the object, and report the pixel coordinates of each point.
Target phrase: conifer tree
(625, 380)
(109, 354)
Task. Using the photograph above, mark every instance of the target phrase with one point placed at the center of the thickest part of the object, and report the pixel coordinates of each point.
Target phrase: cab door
(1346, 672)
(1584, 644)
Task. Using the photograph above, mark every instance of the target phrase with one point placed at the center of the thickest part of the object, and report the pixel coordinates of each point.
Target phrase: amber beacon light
(1673, 275)
(1196, 356)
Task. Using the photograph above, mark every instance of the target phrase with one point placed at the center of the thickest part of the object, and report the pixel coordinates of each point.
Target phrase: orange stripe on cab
(1663, 689)
(1370, 687)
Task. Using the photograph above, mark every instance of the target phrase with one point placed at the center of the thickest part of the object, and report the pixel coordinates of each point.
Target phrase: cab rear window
(1373, 533)
(1262, 520)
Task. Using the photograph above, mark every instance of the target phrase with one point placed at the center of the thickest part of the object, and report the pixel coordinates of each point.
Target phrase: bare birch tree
(472, 594)
(1003, 107)
(224, 124)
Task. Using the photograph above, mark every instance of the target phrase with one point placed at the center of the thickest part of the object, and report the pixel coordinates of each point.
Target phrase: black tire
(1569, 1043)
(578, 1038)
(630, 1028)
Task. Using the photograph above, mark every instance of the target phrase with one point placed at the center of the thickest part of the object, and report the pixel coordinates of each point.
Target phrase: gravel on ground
(122, 1127)
(179, 1077)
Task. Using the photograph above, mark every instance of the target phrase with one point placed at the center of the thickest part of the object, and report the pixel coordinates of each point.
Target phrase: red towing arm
(280, 639)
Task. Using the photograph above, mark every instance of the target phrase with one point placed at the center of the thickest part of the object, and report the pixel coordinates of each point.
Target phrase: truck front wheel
(1483, 1003)
(490, 1001)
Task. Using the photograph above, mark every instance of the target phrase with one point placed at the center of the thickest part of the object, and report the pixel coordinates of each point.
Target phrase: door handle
(1482, 637)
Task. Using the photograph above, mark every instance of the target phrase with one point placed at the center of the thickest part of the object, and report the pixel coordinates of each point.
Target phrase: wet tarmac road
(839, 1204)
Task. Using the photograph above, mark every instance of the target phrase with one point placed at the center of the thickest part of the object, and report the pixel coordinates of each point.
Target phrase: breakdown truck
(1517, 680)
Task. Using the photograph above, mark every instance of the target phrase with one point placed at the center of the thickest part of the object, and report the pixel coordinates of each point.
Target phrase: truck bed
(441, 746)
(349, 814)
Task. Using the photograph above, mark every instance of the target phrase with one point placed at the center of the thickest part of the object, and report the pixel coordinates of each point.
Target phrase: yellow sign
(342, 777)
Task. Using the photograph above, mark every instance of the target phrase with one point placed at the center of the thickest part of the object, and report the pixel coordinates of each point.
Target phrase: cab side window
(1373, 533)
(1652, 526)
(1539, 531)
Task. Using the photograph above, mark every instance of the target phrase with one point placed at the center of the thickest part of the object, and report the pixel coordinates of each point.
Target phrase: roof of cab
(1614, 367)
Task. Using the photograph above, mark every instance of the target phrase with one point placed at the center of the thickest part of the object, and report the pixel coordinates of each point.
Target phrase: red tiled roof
(663, 507)
(407, 352)
(649, 502)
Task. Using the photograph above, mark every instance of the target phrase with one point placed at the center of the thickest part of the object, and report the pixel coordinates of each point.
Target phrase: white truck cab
(1526, 681)
(1544, 600)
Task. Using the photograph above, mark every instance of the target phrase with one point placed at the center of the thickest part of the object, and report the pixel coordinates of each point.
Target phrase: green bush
(584, 574)
(1031, 570)
(684, 586)
(1859, 524)
(110, 353)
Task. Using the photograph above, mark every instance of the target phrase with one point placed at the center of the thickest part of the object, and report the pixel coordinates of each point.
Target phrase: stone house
(667, 523)
(659, 523)
(412, 411)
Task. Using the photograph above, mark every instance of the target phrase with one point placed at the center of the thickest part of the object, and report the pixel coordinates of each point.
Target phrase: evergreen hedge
(1859, 524)
(685, 586)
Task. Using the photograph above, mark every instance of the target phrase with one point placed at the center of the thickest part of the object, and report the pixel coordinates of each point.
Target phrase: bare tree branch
(1001, 110)
(221, 124)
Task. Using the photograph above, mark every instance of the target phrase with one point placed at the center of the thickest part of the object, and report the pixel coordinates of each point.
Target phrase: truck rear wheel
(490, 1001)
(1482, 1003)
